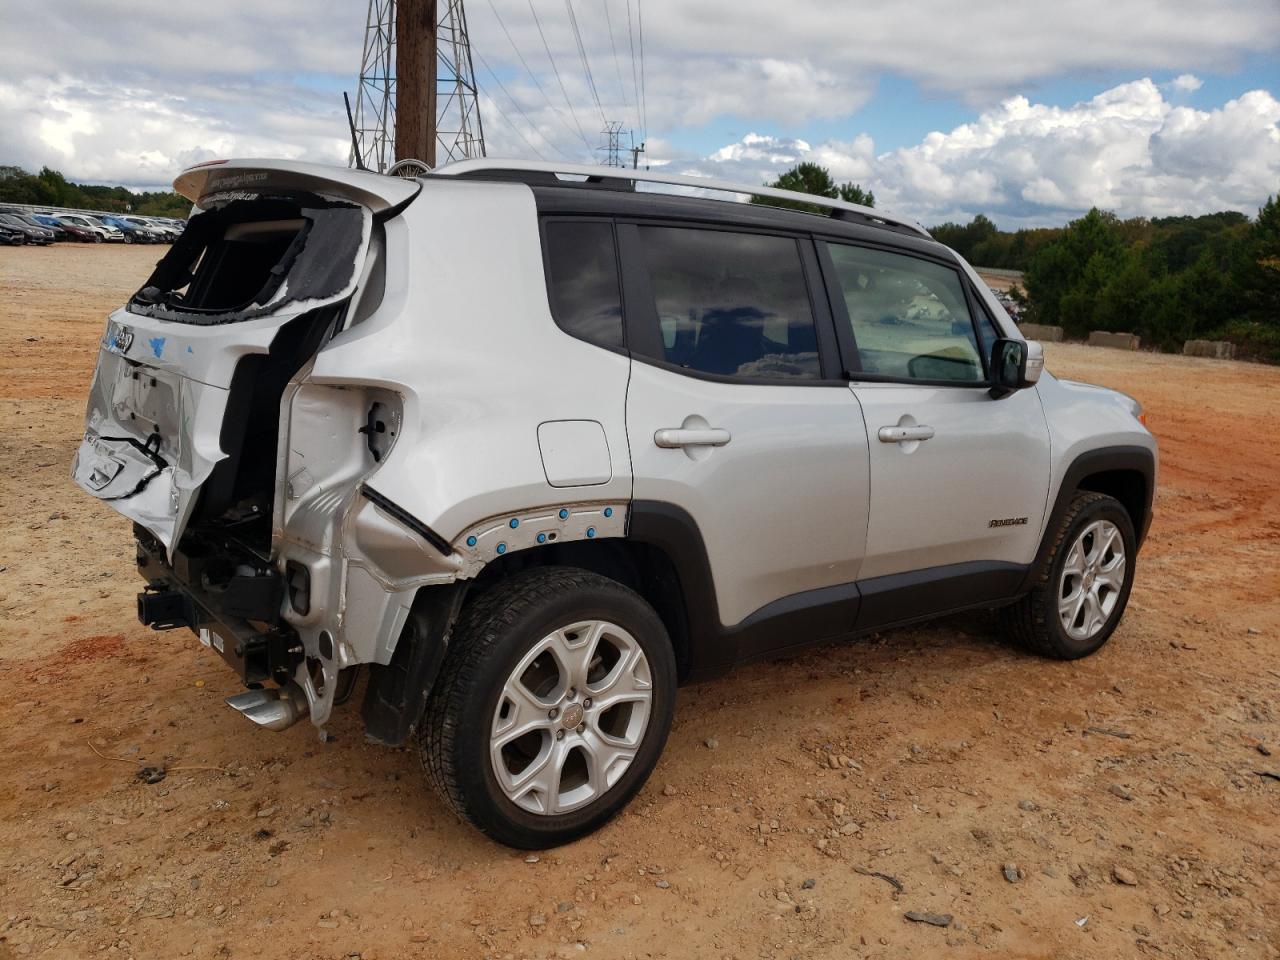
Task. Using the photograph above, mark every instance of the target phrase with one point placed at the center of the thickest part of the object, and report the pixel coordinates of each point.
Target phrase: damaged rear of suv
(204, 427)
(516, 448)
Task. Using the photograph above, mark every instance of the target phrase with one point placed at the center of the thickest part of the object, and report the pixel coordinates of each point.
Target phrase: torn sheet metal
(159, 396)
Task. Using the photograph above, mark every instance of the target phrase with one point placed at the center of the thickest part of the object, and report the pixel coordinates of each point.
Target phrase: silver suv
(515, 449)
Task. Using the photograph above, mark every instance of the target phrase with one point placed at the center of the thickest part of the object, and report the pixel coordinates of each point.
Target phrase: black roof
(617, 196)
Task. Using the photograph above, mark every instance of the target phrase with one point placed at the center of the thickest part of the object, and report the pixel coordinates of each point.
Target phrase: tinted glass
(586, 298)
(910, 318)
(987, 334)
(734, 304)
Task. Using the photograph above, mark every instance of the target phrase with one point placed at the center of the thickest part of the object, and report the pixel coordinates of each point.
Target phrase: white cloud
(1127, 150)
(133, 90)
(1186, 83)
(106, 132)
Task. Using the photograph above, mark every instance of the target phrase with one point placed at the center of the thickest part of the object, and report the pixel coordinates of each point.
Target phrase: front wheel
(552, 707)
(1083, 587)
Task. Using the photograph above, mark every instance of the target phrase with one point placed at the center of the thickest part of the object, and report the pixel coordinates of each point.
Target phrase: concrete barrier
(1041, 331)
(1214, 349)
(1120, 341)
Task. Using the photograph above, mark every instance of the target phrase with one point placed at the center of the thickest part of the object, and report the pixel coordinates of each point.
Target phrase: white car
(104, 230)
(529, 447)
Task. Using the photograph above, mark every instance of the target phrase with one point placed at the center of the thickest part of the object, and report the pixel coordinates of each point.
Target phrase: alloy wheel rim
(1092, 579)
(571, 717)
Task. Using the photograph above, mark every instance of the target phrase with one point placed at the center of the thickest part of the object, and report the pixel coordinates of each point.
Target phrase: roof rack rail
(625, 178)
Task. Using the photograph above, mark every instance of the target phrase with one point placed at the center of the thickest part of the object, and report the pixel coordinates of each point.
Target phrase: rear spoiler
(379, 193)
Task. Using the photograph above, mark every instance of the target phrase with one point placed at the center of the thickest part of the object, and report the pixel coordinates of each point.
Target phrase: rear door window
(731, 304)
(908, 318)
(582, 280)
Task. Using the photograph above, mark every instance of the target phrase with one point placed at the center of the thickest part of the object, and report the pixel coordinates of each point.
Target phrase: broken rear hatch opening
(186, 394)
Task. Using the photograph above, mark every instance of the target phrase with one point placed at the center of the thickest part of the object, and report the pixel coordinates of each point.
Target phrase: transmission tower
(375, 113)
(417, 86)
(459, 132)
(612, 147)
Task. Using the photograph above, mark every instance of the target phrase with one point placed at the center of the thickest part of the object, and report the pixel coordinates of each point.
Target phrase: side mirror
(1015, 365)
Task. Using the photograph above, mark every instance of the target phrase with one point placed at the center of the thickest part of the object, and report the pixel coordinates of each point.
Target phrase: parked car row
(17, 227)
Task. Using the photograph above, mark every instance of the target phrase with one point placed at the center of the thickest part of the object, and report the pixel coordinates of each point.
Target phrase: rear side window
(732, 304)
(582, 276)
(909, 317)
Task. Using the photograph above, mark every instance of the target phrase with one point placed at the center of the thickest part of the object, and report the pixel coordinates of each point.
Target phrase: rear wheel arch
(647, 564)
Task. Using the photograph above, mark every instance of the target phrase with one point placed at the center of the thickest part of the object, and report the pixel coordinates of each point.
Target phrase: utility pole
(416, 80)
(417, 97)
(635, 156)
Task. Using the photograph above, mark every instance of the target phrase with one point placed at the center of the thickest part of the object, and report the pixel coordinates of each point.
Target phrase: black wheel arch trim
(1116, 459)
(397, 692)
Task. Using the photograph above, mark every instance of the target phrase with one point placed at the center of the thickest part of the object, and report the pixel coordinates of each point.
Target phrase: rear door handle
(904, 434)
(672, 437)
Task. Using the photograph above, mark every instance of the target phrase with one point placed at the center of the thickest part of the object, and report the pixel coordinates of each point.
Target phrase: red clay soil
(1114, 807)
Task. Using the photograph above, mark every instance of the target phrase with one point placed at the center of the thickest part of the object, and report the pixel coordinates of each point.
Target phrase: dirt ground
(1122, 806)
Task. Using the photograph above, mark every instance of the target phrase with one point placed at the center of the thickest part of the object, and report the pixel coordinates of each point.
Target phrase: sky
(1029, 112)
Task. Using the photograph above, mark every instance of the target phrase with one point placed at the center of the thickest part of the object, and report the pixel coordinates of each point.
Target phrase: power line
(635, 82)
(582, 53)
(515, 103)
(569, 103)
(502, 113)
(644, 103)
(532, 76)
(617, 68)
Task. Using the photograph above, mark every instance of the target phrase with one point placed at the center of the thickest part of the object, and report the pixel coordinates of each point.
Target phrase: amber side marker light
(1142, 418)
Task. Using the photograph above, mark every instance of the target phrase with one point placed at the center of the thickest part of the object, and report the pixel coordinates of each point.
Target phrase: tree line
(49, 188)
(1167, 279)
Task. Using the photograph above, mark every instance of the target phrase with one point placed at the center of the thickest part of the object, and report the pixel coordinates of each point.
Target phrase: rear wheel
(552, 708)
(1081, 592)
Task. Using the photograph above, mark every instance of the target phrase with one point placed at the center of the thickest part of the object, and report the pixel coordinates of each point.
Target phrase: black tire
(1033, 622)
(493, 632)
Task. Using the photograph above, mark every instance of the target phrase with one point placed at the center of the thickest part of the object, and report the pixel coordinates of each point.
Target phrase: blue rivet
(502, 548)
(591, 532)
(564, 514)
(471, 541)
(542, 538)
(514, 523)
(608, 511)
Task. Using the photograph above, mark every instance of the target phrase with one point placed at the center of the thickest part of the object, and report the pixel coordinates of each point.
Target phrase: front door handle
(904, 434)
(673, 437)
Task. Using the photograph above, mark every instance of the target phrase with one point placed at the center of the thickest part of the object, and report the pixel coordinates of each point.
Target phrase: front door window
(908, 317)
